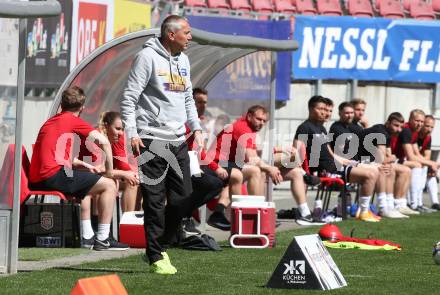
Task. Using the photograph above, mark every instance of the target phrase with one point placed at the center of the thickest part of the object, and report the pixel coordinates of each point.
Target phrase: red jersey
(424, 143)
(91, 154)
(406, 136)
(57, 132)
(236, 137)
(120, 159)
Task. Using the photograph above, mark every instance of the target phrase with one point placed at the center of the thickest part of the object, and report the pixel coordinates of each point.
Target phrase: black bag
(50, 225)
(200, 242)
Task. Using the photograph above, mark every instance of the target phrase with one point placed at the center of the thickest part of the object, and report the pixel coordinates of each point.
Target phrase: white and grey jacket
(157, 100)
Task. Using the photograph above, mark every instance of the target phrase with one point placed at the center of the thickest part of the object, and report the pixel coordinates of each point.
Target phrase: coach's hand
(136, 143)
(198, 140)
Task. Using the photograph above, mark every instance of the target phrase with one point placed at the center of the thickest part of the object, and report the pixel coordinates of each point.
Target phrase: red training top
(424, 143)
(120, 159)
(239, 135)
(406, 136)
(60, 129)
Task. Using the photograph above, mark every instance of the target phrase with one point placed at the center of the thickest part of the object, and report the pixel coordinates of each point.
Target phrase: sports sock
(382, 201)
(400, 203)
(390, 201)
(422, 185)
(87, 230)
(364, 203)
(103, 231)
(433, 189)
(318, 204)
(304, 209)
(416, 173)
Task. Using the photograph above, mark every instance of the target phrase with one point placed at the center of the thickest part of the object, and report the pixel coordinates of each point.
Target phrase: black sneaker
(88, 243)
(218, 220)
(287, 213)
(436, 206)
(189, 227)
(308, 220)
(311, 180)
(109, 244)
(423, 209)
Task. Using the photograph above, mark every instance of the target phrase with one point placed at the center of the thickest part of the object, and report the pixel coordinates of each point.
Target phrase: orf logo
(295, 267)
(46, 220)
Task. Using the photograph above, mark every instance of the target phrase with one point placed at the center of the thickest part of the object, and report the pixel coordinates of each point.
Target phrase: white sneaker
(392, 214)
(407, 211)
(397, 213)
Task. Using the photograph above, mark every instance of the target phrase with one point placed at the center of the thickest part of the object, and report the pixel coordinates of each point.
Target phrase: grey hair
(171, 24)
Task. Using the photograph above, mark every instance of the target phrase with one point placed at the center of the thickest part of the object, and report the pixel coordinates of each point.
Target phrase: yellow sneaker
(163, 267)
(165, 256)
(374, 215)
(368, 217)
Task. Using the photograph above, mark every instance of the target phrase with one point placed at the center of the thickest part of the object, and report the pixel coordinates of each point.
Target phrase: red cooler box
(131, 229)
(252, 224)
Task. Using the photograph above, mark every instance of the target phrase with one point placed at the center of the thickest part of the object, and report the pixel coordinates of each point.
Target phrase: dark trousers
(166, 188)
(205, 188)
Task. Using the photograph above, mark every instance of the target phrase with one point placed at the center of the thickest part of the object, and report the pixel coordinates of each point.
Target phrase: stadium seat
(391, 9)
(421, 10)
(7, 177)
(241, 5)
(195, 3)
(305, 7)
(262, 6)
(26, 192)
(284, 6)
(218, 4)
(329, 7)
(407, 3)
(360, 8)
(436, 5)
(195, 6)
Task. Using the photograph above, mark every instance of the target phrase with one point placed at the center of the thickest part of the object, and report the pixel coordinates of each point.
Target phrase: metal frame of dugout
(9, 216)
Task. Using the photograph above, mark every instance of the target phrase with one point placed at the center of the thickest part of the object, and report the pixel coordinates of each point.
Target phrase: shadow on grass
(98, 269)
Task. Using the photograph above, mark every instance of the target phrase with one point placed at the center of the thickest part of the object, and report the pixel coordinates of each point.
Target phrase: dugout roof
(104, 72)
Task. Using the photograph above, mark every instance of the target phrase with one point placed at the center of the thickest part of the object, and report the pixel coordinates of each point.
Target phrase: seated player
(236, 147)
(313, 135)
(53, 166)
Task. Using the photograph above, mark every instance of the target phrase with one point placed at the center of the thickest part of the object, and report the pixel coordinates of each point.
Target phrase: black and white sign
(306, 264)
